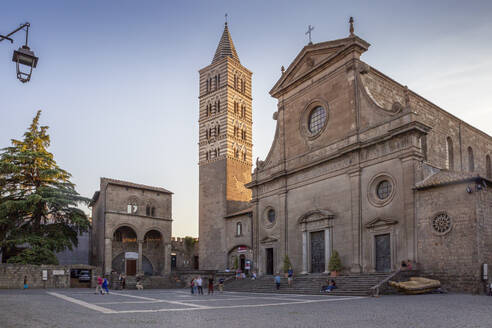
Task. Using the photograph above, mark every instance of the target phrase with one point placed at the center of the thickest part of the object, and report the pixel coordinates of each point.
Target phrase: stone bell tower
(225, 145)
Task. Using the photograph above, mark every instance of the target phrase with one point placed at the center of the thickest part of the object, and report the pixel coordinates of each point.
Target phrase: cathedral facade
(359, 164)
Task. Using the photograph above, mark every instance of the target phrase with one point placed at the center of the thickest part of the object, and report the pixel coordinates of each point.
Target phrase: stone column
(327, 250)
(409, 221)
(355, 177)
(304, 253)
(167, 259)
(108, 255)
(139, 261)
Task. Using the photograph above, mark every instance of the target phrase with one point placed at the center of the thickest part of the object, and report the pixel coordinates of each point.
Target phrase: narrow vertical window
(423, 146)
(218, 130)
(239, 229)
(488, 167)
(218, 105)
(152, 211)
(218, 80)
(449, 154)
(207, 86)
(471, 163)
(244, 156)
(147, 210)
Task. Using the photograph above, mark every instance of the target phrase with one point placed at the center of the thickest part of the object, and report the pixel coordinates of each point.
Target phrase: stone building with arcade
(131, 228)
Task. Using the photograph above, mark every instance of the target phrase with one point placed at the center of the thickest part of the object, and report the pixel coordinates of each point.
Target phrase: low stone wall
(58, 276)
(458, 282)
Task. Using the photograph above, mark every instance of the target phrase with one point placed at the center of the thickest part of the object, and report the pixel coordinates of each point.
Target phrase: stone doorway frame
(378, 227)
(313, 221)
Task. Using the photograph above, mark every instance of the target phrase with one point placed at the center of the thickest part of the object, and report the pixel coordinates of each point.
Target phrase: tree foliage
(38, 203)
(189, 243)
(287, 264)
(335, 263)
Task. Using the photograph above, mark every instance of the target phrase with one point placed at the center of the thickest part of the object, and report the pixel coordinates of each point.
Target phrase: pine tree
(38, 203)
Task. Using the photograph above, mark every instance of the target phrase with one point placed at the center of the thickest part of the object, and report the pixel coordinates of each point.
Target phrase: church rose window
(441, 223)
(384, 189)
(317, 119)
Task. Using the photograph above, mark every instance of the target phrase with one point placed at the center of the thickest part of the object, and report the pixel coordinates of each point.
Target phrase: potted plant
(287, 265)
(335, 265)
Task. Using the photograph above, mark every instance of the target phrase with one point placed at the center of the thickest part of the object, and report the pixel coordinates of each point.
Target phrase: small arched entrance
(125, 245)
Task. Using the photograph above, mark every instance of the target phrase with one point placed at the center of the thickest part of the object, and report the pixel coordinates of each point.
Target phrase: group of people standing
(196, 285)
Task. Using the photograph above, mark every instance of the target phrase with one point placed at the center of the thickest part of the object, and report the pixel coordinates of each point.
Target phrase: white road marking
(190, 306)
(82, 303)
(241, 306)
(160, 300)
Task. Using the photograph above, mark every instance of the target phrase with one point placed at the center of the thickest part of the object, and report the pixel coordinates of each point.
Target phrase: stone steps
(350, 285)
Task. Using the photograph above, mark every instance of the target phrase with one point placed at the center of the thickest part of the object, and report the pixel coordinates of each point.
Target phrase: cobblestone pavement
(177, 308)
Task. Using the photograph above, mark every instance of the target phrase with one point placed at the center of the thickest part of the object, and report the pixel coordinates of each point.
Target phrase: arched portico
(244, 254)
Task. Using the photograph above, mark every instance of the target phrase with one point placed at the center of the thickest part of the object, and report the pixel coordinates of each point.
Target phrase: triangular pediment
(316, 57)
(380, 222)
(269, 239)
(309, 61)
(316, 215)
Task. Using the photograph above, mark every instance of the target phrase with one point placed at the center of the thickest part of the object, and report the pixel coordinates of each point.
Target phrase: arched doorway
(153, 257)
(125, 245)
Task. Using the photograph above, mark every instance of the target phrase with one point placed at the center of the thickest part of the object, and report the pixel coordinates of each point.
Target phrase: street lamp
(23, 56)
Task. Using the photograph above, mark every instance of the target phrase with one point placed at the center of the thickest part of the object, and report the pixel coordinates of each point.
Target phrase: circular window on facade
(269, 217)
(441, 223)
(317, 120)
(383, 189)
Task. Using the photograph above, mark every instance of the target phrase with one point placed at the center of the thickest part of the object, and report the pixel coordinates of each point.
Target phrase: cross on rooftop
(310, 29)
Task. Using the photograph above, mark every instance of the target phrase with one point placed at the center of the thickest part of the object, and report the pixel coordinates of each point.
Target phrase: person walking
(221, 285)
(210, 286)
(25, 282)
(99, 285)
(123, 281)
(290, 276)
(277, 281)
(192, 286)
(105, 285)
(199, 282)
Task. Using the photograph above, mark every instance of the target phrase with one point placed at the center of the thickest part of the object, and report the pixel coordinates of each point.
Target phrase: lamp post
(23, 56)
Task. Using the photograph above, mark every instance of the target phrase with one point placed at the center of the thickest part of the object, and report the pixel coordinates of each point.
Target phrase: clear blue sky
(118, 80)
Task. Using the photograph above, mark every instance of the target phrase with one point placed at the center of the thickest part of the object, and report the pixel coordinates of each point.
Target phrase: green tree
(38, 203)
(335, 263)
(287, 263)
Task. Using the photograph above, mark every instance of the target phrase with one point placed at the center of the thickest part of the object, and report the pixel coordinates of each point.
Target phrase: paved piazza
(177, 308)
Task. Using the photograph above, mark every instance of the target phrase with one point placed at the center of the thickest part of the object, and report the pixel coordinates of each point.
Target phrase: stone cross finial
(226, 18)
(351, 21)
(310, 29)
(282, 69)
